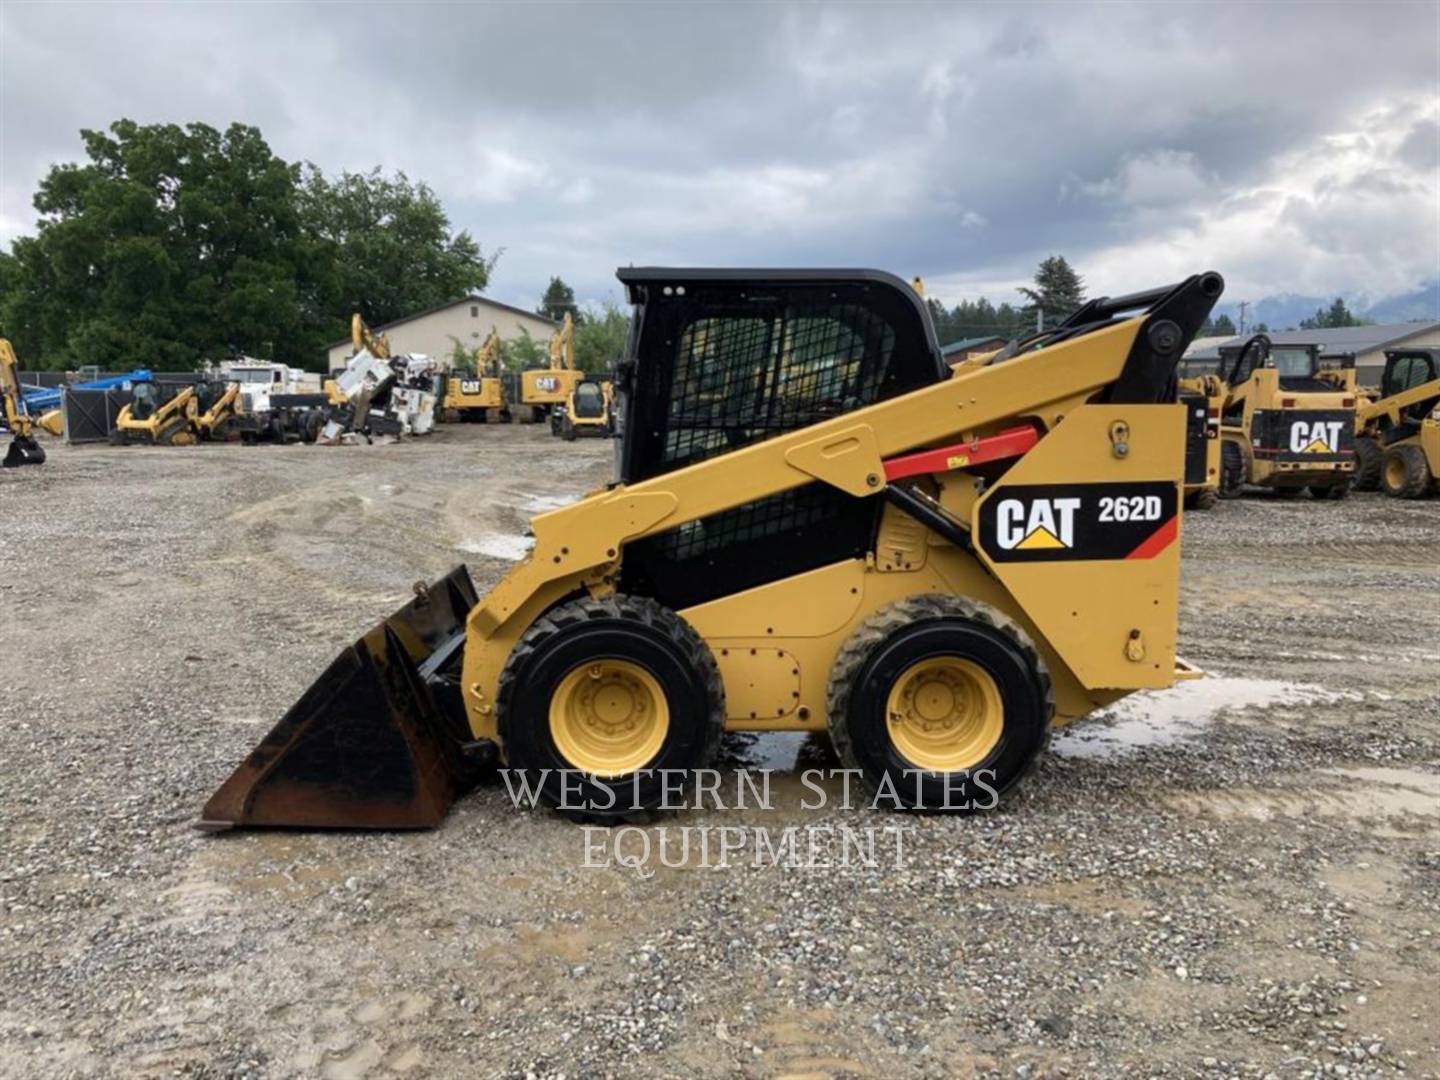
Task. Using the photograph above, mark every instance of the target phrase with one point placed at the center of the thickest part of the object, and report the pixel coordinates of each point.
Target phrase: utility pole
(1243, 305)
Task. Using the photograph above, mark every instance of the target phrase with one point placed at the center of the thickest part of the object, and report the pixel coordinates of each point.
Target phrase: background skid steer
(817, 526)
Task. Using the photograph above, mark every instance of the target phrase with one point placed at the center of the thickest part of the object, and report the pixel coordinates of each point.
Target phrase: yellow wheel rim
(609, 717)
(945, 714)
(1394, 470)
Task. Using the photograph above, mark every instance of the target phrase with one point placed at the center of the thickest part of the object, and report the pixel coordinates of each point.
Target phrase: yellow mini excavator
(476, 397)
(1397, 433)
(816, 526)
(542, 389)
(23, 449)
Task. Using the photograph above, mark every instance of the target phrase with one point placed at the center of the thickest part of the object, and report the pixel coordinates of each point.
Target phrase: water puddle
(498, 546)
(1162, 717)
(1356, 794)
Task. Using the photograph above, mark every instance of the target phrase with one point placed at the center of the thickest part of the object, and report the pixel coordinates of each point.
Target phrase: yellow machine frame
(1103, 633)
(481, 392)
(1211, 391)
(1262, 393)
(573, 424)
(171, 424)
(1377, 415)
(541, 389)
(24, 450)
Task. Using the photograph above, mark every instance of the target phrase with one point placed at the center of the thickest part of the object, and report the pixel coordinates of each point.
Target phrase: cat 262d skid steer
(817, 526)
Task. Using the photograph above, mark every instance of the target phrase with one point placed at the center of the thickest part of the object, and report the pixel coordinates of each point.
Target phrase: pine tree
(1058, 290)
(559, 298)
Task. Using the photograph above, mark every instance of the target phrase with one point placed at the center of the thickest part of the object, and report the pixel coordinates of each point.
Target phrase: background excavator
(23, 449)
(1397, 432)
(817, 525)
(475, 397)
(542, 389)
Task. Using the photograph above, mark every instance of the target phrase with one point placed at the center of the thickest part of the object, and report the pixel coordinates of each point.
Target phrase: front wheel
(1369, 459)
(1232, 471)
(941, 703)
(604, 701)
(1407, 472)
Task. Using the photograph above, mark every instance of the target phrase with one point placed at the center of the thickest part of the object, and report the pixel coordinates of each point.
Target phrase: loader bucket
(373, 744)
(24, 451)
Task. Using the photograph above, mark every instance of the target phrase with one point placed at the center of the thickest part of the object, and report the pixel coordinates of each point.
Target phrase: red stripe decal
(1157, 541)
(1013, 442)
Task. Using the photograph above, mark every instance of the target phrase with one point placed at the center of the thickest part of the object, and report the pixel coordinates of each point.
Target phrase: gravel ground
(1239, 879)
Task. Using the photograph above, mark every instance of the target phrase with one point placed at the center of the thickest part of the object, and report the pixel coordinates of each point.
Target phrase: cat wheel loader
(23, 449)
(590, 410)
(475, 398)
(542, 389)
(1397, 434)
(1285, 425)
(816, 526)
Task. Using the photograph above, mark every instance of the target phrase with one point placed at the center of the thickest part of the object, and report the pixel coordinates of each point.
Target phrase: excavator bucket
(24, 451)
(376, 742)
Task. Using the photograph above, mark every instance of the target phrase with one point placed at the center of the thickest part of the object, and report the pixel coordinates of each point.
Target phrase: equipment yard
(1239, 876)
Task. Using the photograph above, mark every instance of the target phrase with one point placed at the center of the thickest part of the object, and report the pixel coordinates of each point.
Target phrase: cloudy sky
(1295, 147)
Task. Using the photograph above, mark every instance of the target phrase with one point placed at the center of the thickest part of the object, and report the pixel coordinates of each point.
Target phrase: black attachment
(1174, 318)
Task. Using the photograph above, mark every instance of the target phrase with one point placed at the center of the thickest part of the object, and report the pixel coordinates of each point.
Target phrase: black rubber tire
(1203, 499)
(1331, 492)
(907, 631)
(1368, 460)
(630, 628)
(1232, 471)
(1414, 470)
(567, 431)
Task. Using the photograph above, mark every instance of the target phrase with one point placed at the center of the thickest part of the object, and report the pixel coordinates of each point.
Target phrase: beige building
(468, 320)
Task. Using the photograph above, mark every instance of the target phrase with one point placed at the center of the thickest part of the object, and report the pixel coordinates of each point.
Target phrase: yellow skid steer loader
(817, 526)
(1397, 434)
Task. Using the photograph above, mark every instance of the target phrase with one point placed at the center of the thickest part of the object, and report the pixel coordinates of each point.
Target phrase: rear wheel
(1204, 499)
(1406, 474)
(1232, 471)
(941, 703)
(1369, 459)
(609, 695)
(567, 431)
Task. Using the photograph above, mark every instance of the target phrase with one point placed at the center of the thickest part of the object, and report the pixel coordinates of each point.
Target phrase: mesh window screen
(742, 378)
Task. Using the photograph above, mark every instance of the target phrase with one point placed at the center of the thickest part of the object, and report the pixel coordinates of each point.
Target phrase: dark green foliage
(1336, 316)
(559, 299)
(600, 340)
(172, 244)
(1058, 293)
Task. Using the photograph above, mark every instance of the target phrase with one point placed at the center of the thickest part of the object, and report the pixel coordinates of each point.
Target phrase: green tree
(1334, 317)
(524, 352)
(600, 340)
(1058, 291)
(169, 244)
(385, 247)
(1224, 327)
(559, 299)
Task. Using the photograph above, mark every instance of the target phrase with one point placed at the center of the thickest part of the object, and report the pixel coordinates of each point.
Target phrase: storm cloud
(1294, 147)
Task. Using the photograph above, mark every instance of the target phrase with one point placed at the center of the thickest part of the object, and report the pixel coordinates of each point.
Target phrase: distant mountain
(1423, 303)
(1287, 309)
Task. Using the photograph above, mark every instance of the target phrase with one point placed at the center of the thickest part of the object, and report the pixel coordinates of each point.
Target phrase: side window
(742, 378)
